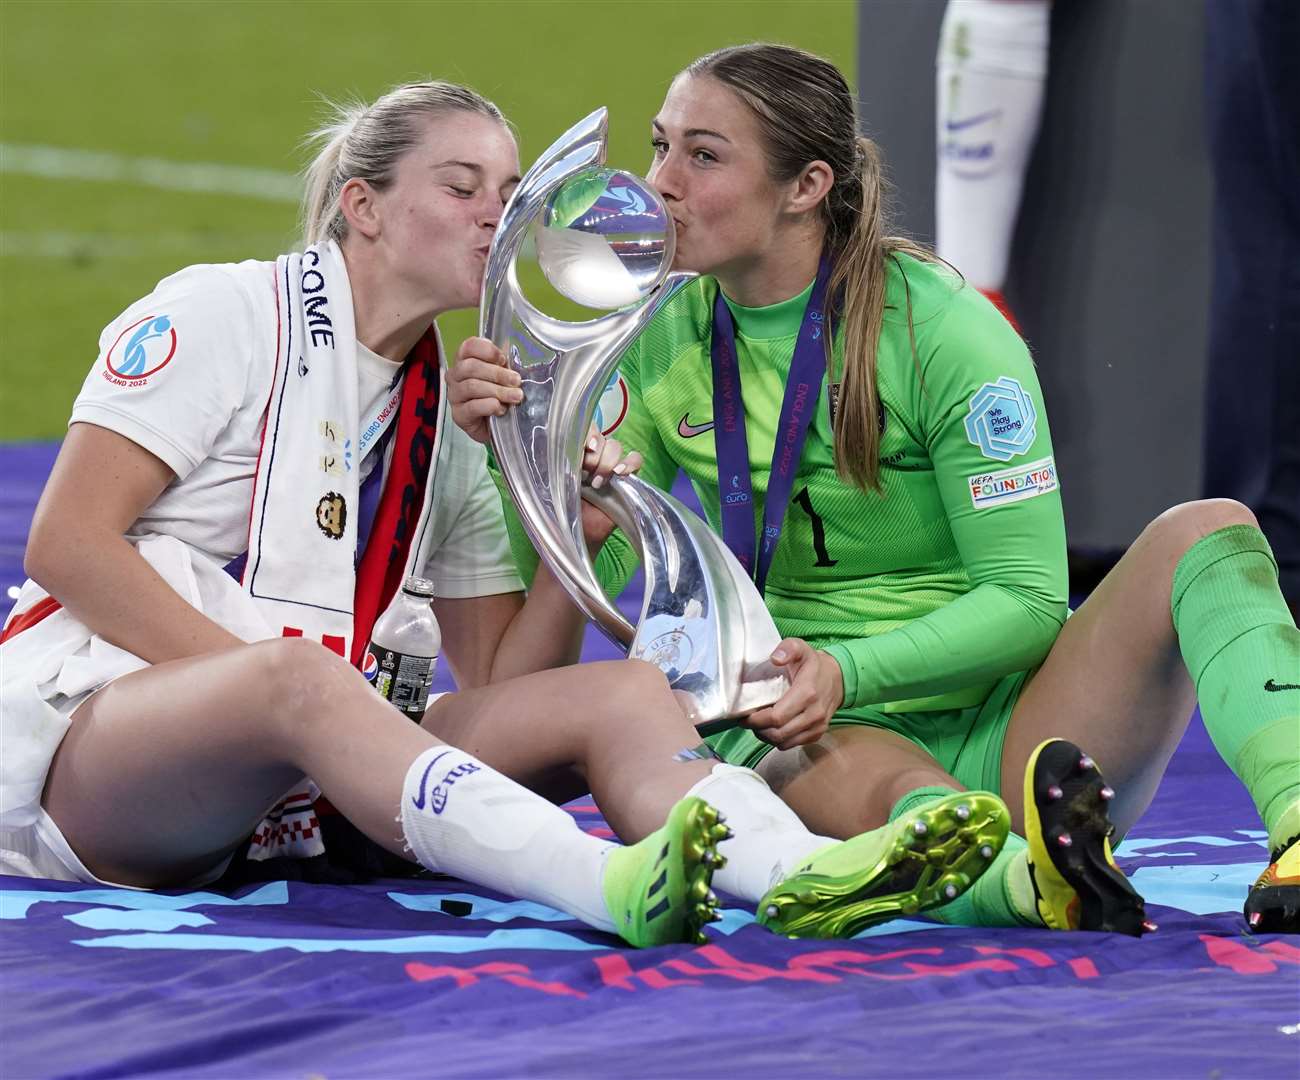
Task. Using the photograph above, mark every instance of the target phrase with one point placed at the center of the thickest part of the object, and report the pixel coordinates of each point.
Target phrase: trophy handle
(539, 444)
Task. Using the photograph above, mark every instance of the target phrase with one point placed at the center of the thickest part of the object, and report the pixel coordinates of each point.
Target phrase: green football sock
(1242, 649)
(1002, 896)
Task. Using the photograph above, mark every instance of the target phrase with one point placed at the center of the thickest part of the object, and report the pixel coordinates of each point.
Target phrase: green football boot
(657, 890)
(1077, 885)
(923, 859)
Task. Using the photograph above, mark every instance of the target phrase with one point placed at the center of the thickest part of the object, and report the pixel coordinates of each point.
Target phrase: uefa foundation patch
(1013, 485)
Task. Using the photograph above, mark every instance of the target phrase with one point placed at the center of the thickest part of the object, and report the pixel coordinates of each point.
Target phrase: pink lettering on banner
(1036, 957)
(657, 980)
(1083, 967)
(515, 974)
(1245, 959)
(617, 973)
(727, 966)
(831, 966)
(828, 966)
(709, 963)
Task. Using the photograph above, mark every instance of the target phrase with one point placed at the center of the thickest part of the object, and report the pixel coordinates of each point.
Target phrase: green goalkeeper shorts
(967, 743)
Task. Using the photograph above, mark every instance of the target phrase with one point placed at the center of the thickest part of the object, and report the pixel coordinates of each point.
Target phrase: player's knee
(627, 691)
(633, 681)
(1179, 527)
(298, 680)
(646, 677)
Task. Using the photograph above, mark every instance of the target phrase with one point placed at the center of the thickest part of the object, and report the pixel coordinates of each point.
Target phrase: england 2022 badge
(1001, 420)
(141, 350)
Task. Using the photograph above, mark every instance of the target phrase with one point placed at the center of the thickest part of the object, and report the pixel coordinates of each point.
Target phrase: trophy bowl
(604, 239)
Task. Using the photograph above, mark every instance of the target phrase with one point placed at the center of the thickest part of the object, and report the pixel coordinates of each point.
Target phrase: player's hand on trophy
(480, 385)
(803, 713)
(602, 458)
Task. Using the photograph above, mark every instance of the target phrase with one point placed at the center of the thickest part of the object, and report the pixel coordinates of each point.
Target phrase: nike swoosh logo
(687, 430)
(1273, 687)
(424, 780)
(972, 121)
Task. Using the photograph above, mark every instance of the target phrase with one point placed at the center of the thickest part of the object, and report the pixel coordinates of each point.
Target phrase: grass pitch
(239, 84)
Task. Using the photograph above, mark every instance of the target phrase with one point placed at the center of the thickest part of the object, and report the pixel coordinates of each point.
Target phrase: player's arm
(1010, 532)
(480, 386)
(125, 445)
(77, 550)
(491, 630)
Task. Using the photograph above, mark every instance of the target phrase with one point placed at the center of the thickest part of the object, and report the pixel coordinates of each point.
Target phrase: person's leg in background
(991, 75)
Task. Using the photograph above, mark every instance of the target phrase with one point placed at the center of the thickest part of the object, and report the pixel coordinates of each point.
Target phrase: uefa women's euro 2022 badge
(1001, 420)
(332, 515)
(141, 350)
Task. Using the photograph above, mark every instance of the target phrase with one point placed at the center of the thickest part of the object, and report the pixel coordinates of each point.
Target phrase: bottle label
(400, 678)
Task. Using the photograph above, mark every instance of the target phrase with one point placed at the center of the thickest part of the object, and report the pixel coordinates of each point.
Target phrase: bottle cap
(418, 586)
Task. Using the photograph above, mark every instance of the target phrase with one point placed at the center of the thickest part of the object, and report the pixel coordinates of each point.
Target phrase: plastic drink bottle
(404, 647)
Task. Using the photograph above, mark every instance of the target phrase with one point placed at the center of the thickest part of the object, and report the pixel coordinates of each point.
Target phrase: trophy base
(716, 727)
(753, 696)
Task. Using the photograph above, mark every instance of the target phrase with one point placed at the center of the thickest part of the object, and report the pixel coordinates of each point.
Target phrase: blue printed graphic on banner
(495, 941)
(1001, 420)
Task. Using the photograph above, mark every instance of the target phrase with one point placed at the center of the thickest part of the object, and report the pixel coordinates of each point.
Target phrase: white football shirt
(186, 373)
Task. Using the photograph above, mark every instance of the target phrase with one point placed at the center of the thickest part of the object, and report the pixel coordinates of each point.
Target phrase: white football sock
(462, 817)
(769, 842)
(991, 75)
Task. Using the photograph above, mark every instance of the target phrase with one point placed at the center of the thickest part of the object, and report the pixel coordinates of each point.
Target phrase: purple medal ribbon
(802, 389)
(368, 498)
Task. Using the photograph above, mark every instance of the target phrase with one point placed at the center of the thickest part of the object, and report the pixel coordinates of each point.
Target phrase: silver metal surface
(604, 239)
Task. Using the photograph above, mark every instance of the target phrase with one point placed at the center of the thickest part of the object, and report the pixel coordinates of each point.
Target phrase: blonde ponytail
(323, 177)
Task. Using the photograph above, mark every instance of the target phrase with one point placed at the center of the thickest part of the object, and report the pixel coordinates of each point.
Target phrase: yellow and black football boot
(1273, 903)
(1077, 885)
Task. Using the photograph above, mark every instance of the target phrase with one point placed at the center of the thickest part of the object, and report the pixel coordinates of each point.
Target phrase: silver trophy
(603, 239)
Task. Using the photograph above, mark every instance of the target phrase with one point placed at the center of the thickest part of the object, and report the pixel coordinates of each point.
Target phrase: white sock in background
(991, 76)
(462, 817)
(769, 842)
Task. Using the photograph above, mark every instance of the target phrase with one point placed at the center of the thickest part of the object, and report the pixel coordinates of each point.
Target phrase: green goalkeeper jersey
(950, 577)
(954, 573)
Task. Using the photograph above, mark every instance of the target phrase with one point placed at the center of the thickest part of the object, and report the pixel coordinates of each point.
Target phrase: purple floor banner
(438, 977)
